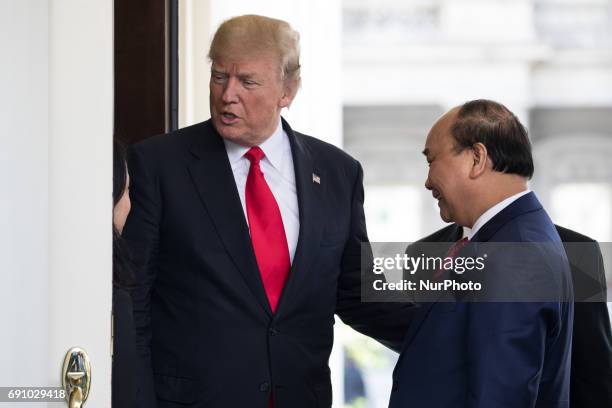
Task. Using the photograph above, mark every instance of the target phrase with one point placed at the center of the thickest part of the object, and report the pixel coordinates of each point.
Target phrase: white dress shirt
(492, 212)
(278, 170)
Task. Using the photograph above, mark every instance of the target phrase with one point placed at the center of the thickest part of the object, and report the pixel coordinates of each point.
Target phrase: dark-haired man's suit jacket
(206, 334)
(493, 354)
(591, 371)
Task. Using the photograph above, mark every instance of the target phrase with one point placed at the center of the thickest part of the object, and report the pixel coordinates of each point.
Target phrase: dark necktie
(452, 252)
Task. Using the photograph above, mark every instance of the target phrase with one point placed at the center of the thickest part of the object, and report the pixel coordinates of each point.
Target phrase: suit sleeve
(142, 233)
(385, 322)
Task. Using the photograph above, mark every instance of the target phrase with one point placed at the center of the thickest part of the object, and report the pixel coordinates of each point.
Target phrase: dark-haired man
(591, 367)
(490, 354)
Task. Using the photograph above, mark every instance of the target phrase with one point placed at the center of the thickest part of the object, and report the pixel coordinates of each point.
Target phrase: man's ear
(289, 91)
(480, 160)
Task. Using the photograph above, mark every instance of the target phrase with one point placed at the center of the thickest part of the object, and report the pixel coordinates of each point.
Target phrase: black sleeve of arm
(385, 322)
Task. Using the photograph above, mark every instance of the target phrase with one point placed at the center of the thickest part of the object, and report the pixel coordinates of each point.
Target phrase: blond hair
(251, 36)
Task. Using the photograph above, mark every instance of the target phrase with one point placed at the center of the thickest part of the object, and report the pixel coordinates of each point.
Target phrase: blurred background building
(405, 62)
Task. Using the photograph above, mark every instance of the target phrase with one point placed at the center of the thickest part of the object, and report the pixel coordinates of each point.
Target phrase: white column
(194, 69)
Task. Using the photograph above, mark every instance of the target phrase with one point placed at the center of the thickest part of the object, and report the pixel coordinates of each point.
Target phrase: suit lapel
(309, 196)
(214, 181)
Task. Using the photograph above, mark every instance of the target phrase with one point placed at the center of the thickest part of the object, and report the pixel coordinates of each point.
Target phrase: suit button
(273, 332)
(264, 387)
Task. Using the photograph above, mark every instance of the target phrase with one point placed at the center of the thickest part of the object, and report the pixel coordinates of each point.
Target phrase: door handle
(76, 377)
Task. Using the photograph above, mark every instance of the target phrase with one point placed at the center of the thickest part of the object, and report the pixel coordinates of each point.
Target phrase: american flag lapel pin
(316, 179)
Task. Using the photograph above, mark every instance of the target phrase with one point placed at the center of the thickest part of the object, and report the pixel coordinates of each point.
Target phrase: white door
(56, 76)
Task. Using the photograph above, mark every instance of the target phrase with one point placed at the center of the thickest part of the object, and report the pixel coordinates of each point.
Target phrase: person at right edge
(490, 354)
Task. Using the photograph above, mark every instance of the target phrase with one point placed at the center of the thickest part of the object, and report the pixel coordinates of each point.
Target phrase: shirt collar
(492, 212)
(274, 148)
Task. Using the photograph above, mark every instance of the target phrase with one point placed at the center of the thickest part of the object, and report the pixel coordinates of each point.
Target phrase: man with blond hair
(253, 239)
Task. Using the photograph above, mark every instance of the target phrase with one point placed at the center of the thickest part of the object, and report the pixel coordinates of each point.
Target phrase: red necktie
(267, 231)
(452, 252)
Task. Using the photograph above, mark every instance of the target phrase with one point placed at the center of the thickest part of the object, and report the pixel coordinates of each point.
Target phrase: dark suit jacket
(205, 332)
(472, 354)
(591, 375)
(591, 371)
